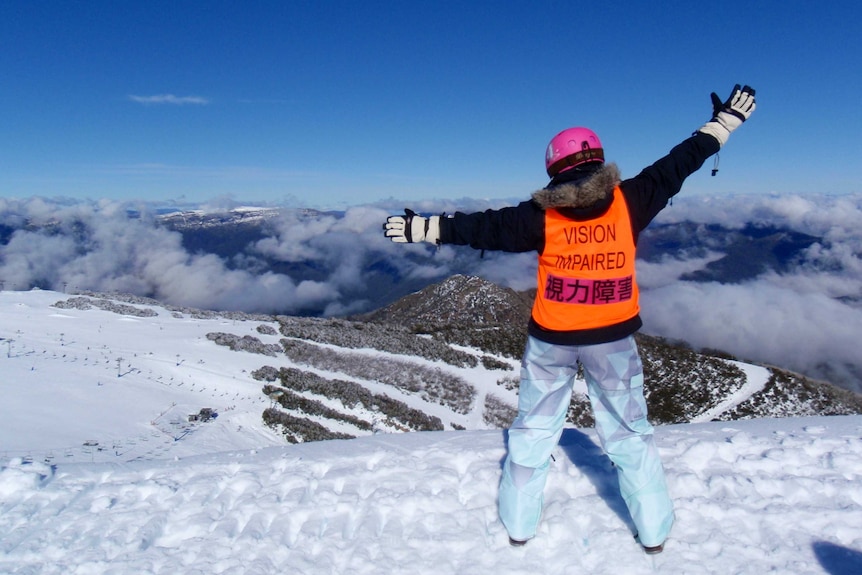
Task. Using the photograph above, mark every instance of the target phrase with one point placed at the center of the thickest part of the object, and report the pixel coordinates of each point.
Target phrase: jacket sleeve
(514, 229)
(649, 192)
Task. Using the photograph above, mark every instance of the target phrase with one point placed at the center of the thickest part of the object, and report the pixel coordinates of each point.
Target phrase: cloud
(170, 99)
(808, 318)
(97, 247)
(328, 261)
(668, 270)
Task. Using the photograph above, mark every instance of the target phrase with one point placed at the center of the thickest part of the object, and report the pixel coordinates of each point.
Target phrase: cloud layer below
(808, 319)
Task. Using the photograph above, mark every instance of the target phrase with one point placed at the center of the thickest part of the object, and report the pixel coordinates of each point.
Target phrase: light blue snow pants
(614, 376)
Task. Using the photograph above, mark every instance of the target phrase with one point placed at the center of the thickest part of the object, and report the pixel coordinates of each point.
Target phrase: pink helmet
(571, 148)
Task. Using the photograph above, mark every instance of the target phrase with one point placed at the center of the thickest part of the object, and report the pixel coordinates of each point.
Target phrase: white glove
(411, 228)
(729, 115)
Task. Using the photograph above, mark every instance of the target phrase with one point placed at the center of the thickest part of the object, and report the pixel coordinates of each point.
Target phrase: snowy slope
(106, 378)
(125, 379)
(119, 382)
(128, 383)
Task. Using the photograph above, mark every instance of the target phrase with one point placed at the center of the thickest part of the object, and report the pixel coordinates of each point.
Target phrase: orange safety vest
(586, 276)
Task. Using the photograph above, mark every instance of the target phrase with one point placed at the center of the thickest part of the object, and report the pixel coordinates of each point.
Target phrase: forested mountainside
(470, 324)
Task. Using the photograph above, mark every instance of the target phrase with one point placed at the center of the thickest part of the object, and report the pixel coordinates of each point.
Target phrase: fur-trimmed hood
(580, 193)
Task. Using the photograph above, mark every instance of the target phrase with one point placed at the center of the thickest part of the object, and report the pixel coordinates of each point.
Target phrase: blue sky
(325, 104)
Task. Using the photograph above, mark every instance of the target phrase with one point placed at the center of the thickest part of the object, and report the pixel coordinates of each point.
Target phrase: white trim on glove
(432, 231)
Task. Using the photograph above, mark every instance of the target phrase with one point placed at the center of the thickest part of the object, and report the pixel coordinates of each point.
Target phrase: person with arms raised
(584, 225)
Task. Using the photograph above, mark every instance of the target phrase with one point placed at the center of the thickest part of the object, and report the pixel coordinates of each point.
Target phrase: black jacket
(581, 197)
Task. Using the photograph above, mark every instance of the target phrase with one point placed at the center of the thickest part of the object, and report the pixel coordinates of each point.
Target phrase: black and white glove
(729, 115)
(411, 228)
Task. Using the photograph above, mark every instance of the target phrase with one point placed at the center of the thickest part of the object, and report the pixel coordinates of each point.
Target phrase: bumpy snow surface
(761, 496)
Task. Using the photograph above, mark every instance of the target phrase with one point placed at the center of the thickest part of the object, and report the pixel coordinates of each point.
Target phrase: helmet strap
(585, 155)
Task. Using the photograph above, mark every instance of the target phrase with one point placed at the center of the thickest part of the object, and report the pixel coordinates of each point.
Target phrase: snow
(756, 378)
(70, 376)
(158, 495)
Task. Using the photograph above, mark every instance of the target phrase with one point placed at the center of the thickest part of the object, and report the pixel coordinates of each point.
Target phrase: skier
(584, 225)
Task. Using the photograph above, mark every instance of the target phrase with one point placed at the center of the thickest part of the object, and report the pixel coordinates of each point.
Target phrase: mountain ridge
(321, 378)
